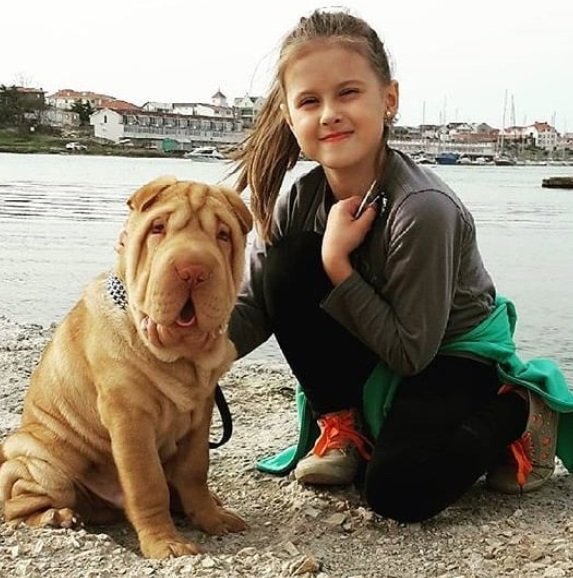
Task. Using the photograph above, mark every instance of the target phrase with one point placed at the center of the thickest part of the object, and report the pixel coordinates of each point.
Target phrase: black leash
(226, 418)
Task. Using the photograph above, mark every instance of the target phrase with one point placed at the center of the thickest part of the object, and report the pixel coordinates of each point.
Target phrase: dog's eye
(157, 228)
(224, 234)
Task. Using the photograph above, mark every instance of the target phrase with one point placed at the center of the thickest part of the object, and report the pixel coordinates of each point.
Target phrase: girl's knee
(392, 496)
(378, 491)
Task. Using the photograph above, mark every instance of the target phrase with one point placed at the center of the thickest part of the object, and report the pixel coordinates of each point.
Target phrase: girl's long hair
(266, 154)
(270, 149)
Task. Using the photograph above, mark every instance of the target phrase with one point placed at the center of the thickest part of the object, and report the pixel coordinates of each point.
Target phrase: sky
(502, 62)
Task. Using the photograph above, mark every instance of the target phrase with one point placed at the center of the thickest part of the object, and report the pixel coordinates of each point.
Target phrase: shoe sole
(513, 489)
(316, 479)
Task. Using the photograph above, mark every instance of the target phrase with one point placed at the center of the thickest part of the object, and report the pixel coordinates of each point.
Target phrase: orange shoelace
(337, 431)
(520, 449)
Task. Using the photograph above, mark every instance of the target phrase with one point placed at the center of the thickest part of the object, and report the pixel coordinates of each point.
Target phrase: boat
(205, 153)
(482, 161)
(422, 158)
(447, 158)
(503, 161)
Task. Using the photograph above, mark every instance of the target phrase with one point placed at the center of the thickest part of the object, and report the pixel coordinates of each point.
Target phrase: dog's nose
(193, 274)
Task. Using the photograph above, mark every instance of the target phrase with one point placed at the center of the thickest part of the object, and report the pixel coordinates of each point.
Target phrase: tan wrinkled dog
(118, 411)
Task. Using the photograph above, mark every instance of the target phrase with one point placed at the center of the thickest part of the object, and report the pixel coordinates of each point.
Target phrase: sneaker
(531, 458)
(335, 457)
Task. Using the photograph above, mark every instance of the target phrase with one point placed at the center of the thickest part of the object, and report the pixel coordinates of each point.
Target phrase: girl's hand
(342, 235)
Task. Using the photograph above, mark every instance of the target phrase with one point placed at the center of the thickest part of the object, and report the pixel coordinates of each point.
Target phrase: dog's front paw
(169, 547)
(219, 520)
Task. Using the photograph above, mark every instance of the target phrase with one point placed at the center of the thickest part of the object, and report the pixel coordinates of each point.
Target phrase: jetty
(558, 183)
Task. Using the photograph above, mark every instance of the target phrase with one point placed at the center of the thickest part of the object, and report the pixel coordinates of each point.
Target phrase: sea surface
(60, 216)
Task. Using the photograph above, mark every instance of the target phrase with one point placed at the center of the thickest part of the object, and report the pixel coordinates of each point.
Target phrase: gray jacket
(419, 279)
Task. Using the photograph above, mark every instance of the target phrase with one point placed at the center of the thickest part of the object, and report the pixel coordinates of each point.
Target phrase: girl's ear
(284, 111)
(392, 97)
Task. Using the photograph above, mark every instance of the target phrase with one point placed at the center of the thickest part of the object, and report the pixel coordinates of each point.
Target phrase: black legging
(447, 424)
(328, 361)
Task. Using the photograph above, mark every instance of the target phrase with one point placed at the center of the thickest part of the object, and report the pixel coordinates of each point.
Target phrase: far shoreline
(102, 150)
(20, 142)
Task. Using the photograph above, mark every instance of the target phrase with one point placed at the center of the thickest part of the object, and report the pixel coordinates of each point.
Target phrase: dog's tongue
(187, 315)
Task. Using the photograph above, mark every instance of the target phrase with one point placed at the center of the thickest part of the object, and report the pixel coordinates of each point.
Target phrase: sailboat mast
(424, 126)
(502, 131)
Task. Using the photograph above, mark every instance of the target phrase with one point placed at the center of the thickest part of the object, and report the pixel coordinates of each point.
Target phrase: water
(60, 216)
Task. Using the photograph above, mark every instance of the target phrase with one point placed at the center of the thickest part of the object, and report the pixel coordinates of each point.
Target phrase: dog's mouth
(187, 315)
(186, 328)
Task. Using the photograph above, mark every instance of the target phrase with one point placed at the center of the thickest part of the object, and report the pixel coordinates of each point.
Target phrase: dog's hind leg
(36, 493)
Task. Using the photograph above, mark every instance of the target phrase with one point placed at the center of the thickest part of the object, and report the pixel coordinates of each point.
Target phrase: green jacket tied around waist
(491, 339)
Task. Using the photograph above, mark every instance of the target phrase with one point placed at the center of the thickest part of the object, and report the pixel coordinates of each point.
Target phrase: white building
(154, 128)
(65, 99)
(246, 109)
(217, 108)
(545, 136)
(189, 109)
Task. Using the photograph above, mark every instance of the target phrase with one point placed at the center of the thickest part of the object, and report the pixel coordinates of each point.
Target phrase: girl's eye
(307, 101)
(348, 91)
(224, 234)
(157, 228)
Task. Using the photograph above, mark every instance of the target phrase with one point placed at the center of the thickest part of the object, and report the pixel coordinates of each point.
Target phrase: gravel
(293, 531)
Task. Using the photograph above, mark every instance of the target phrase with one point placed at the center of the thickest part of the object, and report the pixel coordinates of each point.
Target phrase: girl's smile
(336, 136)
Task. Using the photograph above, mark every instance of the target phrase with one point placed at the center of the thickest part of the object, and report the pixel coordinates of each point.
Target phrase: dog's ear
(144, 197)
(240, 209)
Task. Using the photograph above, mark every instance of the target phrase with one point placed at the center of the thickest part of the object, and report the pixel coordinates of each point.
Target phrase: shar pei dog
(116, 418)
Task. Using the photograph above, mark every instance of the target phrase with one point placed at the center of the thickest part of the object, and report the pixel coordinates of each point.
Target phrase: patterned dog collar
(117, 291)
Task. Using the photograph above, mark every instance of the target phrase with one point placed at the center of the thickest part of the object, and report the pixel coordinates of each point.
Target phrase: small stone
(535, 554)
(291, 549)
(246, 552)
(308, 565)
(208, 562)
(311, 512)
(336, 519)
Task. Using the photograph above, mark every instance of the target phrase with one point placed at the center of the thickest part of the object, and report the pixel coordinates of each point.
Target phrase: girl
(368, 273)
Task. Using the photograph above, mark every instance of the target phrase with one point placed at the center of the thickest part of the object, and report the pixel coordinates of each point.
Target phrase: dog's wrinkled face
(182, 258)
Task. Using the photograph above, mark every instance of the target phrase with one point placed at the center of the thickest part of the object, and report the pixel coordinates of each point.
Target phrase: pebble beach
(293, 531)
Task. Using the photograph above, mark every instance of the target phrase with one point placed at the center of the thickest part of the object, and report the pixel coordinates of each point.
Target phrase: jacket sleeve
(405, 323)
(250, 325)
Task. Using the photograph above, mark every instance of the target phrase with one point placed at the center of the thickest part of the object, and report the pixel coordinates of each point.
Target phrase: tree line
(19, 110)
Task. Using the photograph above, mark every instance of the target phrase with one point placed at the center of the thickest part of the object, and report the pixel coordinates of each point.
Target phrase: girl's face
(335, 107)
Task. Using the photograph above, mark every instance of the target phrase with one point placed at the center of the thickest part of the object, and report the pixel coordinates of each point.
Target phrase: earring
(388, 116)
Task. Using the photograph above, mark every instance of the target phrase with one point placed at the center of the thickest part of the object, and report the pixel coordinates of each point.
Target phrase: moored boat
(205, 153)
(503, 161)
(422, 158)
(447, 158)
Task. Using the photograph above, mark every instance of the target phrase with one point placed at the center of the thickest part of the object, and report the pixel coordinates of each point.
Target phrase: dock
(558, 183)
